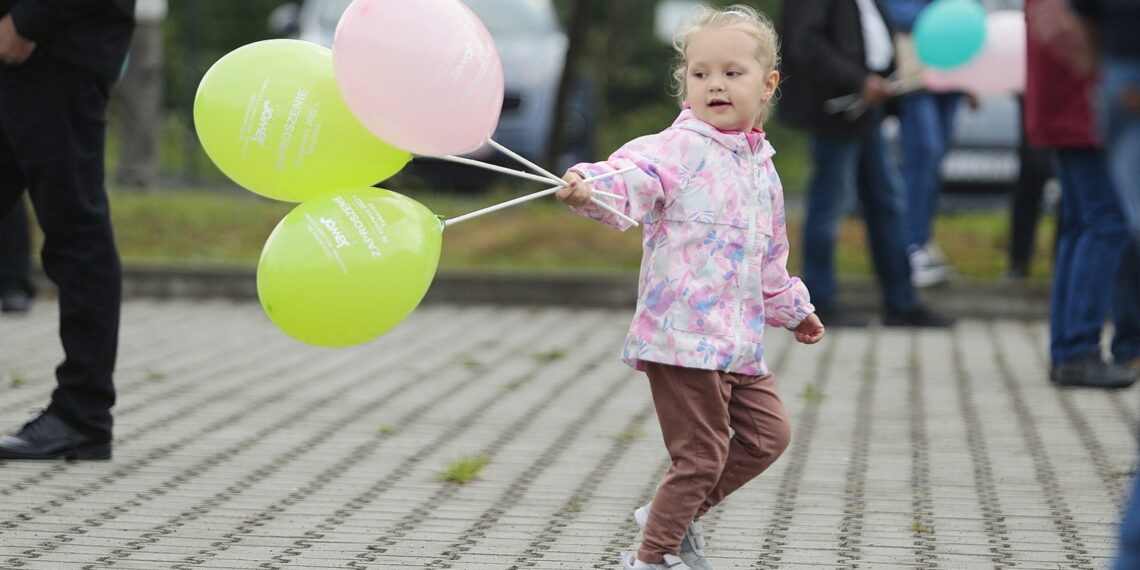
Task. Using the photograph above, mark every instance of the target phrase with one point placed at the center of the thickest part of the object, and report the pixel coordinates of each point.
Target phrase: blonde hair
(745, 18)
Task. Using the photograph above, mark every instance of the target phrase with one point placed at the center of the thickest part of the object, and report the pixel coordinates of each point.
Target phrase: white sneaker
(629, 562)
(928, 267)
(692, 544)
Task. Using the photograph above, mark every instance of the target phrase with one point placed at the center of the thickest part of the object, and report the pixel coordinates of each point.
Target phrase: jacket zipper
(750, 244)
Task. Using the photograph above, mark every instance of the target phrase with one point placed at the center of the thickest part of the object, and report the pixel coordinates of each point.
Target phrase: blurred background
(582, 77)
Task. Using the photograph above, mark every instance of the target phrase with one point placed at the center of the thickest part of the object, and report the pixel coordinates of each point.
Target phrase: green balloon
(345, 267)
(269, 114)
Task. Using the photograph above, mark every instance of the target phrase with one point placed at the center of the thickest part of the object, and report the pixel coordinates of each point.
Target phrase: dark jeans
(52, 125)
(1025, 205)
(1120, 124)
(843, 168)
(926, 122)
(1094, 258)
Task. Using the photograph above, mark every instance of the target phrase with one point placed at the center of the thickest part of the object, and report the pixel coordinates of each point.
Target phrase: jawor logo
(263, 125)
(339, 236)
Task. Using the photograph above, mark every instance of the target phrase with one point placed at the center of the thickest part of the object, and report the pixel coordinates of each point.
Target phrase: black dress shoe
(834, 317)
(1089, 370)
(15, 301)
(917, 317)
(48, 437)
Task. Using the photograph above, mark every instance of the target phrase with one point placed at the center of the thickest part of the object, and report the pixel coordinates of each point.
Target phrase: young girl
(712, 276)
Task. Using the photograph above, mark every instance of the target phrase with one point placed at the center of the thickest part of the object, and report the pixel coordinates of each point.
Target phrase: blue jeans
(1128, 554)
(1092, 249)
(846, 167)
(1121, 131)
(926, 122)
(1120, 127)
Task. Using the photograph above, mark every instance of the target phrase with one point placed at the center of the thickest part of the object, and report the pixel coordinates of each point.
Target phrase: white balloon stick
(496, 168)
(526, 162)
(547, 192)
(613, 211)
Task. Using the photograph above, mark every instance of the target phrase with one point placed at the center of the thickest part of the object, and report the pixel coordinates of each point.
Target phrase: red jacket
(1057, 109)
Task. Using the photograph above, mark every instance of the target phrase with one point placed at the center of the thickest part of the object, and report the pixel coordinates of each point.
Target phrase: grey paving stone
(237, 447)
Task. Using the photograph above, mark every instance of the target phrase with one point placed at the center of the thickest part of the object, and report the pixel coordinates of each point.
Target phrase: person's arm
(1090, 15)
(786, 299)
(14, 47)
(38, 20)
(1055, 25)
(829, 66)
(661, 163)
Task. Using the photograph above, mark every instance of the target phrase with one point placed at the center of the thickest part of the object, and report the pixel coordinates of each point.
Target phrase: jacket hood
(733, 141)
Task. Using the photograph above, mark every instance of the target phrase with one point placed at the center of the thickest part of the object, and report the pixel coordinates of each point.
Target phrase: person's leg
(923, 145)
(15, 251)
(1120, 119)
(692, 408)
(1100, 237)
(1067, 215)
(1025, 207)
(1126, 309)
(833, 175)
(53, 117)
(880, 192)
(761, 433)
(1128, 550)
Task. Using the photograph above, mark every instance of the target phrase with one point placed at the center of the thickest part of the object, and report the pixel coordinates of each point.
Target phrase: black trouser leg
(53, 120)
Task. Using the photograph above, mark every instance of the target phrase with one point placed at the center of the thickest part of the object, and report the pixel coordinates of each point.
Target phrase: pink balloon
(422, 75)
(998, 68)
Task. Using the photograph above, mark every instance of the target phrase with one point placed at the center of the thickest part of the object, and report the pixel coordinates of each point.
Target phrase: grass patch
(230, 227)
(463, 470)
(550, 355)
(811, 395)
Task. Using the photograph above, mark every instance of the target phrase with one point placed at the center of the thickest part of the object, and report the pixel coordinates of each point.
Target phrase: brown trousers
(697, 409)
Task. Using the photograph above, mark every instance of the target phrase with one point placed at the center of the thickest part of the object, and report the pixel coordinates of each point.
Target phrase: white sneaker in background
(928, 267)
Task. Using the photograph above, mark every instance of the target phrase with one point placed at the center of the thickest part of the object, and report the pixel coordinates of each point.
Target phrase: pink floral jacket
(714, 269)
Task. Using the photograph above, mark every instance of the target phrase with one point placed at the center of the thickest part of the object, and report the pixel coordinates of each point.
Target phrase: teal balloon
(949, 33)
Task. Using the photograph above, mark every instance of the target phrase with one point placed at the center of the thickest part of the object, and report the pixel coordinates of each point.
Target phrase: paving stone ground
(237, 447)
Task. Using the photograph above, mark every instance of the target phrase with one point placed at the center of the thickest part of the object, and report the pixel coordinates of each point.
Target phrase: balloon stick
(496, 168)
(548, 192)
(526, 162)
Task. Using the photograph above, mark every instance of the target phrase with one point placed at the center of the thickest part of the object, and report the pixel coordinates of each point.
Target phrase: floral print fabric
(714, 267)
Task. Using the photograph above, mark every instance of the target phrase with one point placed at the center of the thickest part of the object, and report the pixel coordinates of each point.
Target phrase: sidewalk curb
(616, 289)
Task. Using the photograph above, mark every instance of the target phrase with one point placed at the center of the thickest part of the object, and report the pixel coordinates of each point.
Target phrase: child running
(713, 274)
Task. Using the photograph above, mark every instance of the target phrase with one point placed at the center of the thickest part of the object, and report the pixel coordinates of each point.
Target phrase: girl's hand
(810, 330)
(577, 193)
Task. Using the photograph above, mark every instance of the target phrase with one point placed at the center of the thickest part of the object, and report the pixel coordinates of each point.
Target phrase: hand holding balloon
(576, 193)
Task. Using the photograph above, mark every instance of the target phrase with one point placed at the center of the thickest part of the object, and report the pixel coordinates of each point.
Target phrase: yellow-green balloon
(345, 267)
(269, 114)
